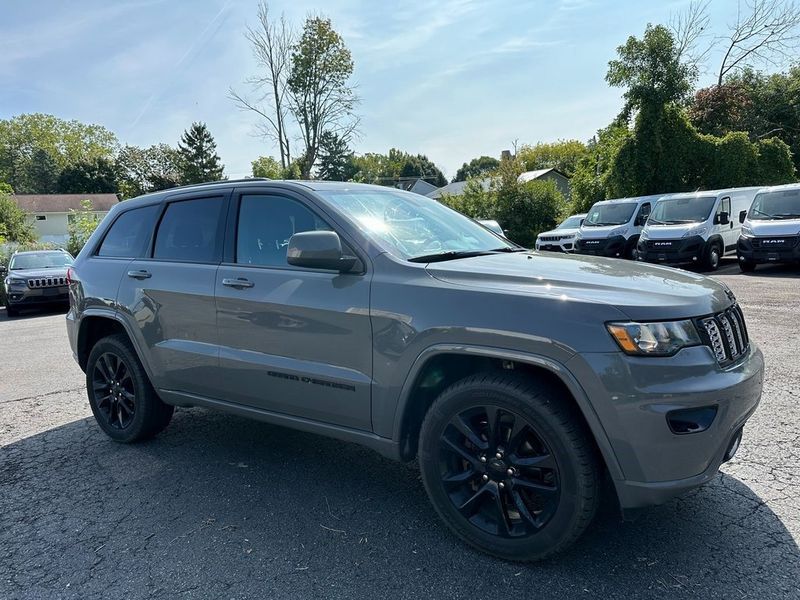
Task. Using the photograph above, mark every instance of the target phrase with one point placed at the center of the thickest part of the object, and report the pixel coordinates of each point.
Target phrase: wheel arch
(97, 324)
(439, 366)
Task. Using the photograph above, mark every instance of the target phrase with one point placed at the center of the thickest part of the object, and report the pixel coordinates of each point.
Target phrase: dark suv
(520, 380)
(36, 278)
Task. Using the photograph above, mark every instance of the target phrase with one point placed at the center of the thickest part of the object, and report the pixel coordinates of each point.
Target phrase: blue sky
(453, 79)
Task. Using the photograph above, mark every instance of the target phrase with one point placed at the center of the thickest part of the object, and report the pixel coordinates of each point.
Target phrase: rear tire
(509, 465)
(122, 399)
(713, 257)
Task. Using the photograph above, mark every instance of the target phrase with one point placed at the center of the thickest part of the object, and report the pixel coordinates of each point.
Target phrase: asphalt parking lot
(221, 507)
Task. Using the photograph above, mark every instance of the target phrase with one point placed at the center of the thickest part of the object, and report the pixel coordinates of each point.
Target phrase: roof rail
(191, 185)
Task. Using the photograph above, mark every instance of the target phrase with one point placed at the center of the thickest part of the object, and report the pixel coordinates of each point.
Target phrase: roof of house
(422, 187)
(456, 188)
(61, 203)
(531, 175)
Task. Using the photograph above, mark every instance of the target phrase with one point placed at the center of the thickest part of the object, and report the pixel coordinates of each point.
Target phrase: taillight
(69, 275)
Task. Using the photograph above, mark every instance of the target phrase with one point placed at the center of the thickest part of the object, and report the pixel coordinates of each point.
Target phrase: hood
(601, 233)
(565, 232)
(640, 291)
(670, 232)
(773, 227)
(38, 273)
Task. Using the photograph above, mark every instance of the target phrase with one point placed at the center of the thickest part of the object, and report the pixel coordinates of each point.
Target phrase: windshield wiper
(656, 221)
(449, 255)
(761, 212)
(786, 216)
(508, 249)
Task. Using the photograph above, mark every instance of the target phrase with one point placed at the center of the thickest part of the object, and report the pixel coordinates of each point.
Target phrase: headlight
(618, 231)
(578, 236)
(15, 281)
(644, 235)
(654, 339)
(747, 232)
(695, 231)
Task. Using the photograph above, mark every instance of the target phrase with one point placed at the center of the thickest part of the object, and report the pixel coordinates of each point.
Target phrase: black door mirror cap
(319, 250)
(742, 216)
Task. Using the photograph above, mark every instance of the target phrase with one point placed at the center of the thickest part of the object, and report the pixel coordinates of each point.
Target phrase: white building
(50, 213)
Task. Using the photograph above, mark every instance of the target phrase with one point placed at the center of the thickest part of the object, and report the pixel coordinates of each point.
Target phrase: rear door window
(130, 234)
(190, 231)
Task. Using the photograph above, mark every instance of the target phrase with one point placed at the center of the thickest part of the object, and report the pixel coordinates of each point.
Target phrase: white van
(612, 227)
(771, 228)
(562, 238)
(697, 228)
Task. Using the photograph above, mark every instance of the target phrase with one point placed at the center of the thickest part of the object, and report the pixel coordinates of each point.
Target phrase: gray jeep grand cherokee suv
(520, 380)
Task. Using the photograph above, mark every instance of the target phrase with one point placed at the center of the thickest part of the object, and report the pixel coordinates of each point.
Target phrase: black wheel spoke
(539, 488)
(471, 505)
(503, 527)
(522, 509)
(459, 478)
(459, 450)
(519, 430)
(540, 462)
(466, 430)
(493, 423)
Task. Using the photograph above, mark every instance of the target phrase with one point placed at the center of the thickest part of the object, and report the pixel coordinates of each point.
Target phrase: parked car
(520, 380)
(35, 278)
(612, 227)
(562, 238)
(771, 228)
(493, 225)
(694, 229)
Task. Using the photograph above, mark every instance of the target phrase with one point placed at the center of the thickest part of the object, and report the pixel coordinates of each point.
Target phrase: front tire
(747, 266)
(713, 257)
(121, 396)
(509, 466)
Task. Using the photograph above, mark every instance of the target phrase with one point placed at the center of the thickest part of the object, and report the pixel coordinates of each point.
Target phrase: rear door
(169, 294)
(294, 341)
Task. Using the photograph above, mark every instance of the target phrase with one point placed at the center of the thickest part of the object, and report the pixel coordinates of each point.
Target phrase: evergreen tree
(199, 158)
(39, 174)
(335, 158)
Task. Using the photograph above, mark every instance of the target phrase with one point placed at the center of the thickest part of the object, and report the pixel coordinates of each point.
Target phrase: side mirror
(318, 250)
(3, 270)
(722, 218)
(742, 216)
(581, 224)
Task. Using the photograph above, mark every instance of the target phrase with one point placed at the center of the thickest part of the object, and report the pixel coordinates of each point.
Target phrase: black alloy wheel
(114, 393)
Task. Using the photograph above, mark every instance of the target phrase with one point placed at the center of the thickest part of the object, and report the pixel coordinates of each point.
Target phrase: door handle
(238, 283)
(139, 274)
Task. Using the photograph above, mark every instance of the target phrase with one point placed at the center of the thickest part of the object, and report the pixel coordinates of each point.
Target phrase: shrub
(82, 224)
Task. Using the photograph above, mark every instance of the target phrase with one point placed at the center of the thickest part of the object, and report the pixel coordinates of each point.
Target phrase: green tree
(66, 142)
(651, 71)
(266, 166)
(199, 159)
(320, 95)
(96, 176)
(590, 182)
(14, 224)
(775, 165)
(40, 174)
(144, 170)
(335, 161)
(396, 166)
(477, 167)
(563, 155)
(81, 226)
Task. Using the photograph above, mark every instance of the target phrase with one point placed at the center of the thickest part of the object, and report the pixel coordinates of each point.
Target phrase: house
(561, 180)
(457, 187)
(416, 185)
(50, 213)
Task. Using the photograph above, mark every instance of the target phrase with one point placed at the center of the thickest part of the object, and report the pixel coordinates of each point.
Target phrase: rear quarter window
(130, 233)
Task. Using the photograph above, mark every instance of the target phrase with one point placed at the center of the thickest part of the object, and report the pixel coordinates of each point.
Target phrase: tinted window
(189, 231)
(130, 233)
(265, 225)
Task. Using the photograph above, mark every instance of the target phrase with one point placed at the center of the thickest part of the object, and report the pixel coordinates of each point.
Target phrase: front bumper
(632, 396)
(612, 246)
(776, 249)
(672, 252)
(561, 246)
(20, 297)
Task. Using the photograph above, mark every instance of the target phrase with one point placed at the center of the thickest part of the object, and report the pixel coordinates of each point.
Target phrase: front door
(730, 235)
(292, 340)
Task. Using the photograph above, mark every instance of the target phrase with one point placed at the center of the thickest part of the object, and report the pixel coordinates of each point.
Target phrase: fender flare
(553, 366)
(113, 315)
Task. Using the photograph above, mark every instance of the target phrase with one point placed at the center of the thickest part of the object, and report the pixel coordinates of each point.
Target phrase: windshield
(40, 260)
(673, 211)
(617, 213)
(410, 226)
(784, 204)
(571, 222)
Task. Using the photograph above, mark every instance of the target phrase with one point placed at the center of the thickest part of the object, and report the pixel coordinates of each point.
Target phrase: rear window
(130, 233)
(189, 231)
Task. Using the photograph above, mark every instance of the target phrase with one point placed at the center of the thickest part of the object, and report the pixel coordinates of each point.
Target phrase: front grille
(726, 334)
(775, 243)
(552, 238)
(44, 282)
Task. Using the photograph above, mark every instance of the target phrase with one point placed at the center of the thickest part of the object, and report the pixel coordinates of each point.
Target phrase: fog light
(691, 420)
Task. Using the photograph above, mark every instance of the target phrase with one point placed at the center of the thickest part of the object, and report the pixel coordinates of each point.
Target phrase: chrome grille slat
(44, 282)
(726, 334)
